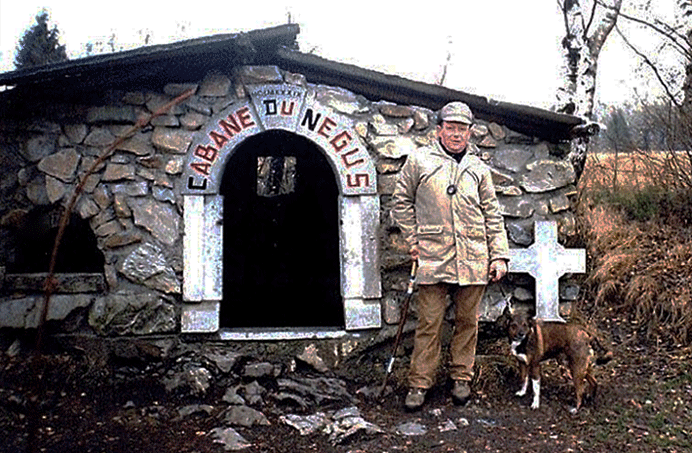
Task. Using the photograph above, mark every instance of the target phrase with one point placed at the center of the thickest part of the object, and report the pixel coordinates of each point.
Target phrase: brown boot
(415, 398)
(461, 392)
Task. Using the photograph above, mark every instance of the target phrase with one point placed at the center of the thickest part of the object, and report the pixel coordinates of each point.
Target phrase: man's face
(454, 136)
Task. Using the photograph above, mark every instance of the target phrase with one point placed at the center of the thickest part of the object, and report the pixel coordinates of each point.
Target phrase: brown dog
(535, 341)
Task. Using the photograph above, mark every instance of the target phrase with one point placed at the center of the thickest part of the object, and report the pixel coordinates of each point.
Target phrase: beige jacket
(457, 235)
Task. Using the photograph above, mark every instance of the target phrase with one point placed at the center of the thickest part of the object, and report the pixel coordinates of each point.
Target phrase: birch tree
(587, 26)
(686, 8)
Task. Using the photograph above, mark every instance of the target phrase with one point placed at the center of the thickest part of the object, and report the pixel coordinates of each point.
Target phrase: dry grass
(638, 170)
(636, 226)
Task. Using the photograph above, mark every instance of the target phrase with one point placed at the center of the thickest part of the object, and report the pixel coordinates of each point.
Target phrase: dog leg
(523, 371)
(521, 357)
(536, 383)
(524, 386)
(591, 395)
(535, 373)
(593, 385)
(579, 374)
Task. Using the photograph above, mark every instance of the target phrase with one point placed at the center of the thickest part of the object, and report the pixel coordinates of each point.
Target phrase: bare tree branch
(670, 34)
(598, 38)
(445, 67)
(593, 14)
(563, 8)
(650, 64)
(673, 31)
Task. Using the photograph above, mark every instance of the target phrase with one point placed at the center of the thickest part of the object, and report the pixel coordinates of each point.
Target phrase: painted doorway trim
(295, 109)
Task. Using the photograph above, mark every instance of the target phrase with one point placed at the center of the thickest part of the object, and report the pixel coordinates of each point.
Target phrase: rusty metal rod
(50, 283)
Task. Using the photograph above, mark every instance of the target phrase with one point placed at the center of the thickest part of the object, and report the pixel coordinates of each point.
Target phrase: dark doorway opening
(281, 235)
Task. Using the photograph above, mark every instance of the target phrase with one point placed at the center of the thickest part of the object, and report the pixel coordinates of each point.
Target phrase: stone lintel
(65, 283)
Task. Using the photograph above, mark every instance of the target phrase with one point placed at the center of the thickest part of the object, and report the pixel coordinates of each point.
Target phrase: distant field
(636, 169)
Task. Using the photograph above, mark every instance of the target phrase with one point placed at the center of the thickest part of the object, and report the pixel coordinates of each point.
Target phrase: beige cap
(456, 111)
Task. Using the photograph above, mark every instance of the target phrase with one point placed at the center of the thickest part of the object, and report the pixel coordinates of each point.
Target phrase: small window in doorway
(276, 175)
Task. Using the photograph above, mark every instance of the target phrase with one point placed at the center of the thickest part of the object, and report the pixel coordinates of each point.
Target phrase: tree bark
(582, 45)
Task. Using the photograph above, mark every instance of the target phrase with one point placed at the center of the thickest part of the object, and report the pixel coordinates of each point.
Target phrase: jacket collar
(465, 163)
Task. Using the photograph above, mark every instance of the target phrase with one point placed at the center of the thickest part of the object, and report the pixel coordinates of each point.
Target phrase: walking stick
(400, 329)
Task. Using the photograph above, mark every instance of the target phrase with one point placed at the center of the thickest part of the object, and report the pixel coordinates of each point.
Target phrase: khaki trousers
(427, 348)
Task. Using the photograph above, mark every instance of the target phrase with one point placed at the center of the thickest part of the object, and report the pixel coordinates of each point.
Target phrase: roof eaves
(376, 86)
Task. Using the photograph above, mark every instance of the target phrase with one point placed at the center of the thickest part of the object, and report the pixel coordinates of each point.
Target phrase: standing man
(447, 210)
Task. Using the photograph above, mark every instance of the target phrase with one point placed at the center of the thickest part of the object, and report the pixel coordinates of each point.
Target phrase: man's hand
(498, 269)
(414, 253)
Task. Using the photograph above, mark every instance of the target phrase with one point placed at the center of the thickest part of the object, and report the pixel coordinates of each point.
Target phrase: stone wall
(133, 202)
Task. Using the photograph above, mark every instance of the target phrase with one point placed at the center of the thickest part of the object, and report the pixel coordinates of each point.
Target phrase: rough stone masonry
(134, 206)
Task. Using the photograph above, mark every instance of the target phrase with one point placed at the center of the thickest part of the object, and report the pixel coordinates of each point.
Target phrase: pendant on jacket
(451, 189)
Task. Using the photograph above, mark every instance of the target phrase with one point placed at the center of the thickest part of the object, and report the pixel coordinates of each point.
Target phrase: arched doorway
(280, 235)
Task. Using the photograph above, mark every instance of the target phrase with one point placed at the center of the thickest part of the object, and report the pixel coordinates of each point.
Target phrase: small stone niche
(79, 263)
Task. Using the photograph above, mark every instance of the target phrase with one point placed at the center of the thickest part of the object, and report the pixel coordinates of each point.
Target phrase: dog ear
(507, 299)
(502, 321)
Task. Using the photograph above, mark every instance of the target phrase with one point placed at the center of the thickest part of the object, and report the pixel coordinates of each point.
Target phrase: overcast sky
(501, 49)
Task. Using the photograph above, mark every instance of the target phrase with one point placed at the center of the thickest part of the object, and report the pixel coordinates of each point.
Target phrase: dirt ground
(644, 405)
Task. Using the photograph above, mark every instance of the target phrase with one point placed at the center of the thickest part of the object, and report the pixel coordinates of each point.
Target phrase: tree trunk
(582, 44)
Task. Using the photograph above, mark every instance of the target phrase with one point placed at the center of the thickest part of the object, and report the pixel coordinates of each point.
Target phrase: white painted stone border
(360, 270)
(203, 272)
(359, 206)
(203, 248)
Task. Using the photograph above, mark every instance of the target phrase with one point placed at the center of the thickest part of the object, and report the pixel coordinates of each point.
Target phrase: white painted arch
(294, 109)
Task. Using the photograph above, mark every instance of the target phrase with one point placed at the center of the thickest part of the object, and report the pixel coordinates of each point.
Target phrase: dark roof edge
(282, 34)
(276, 46)
(376, 86)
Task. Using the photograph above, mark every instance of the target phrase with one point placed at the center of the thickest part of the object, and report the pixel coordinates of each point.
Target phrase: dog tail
(603, 354)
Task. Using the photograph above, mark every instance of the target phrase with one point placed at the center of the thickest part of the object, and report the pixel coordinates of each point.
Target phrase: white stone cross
(546, 261)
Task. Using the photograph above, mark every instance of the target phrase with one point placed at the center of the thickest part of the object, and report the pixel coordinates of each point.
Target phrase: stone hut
(253, 207)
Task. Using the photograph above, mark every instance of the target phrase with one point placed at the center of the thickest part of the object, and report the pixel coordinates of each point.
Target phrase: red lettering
(287, 111)
(326, 127)
(245, 117)
(345, 156)
(219, 139)
(207, 153)
(362, 179)
(341, 141)
(201, 168)
(232, 127)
